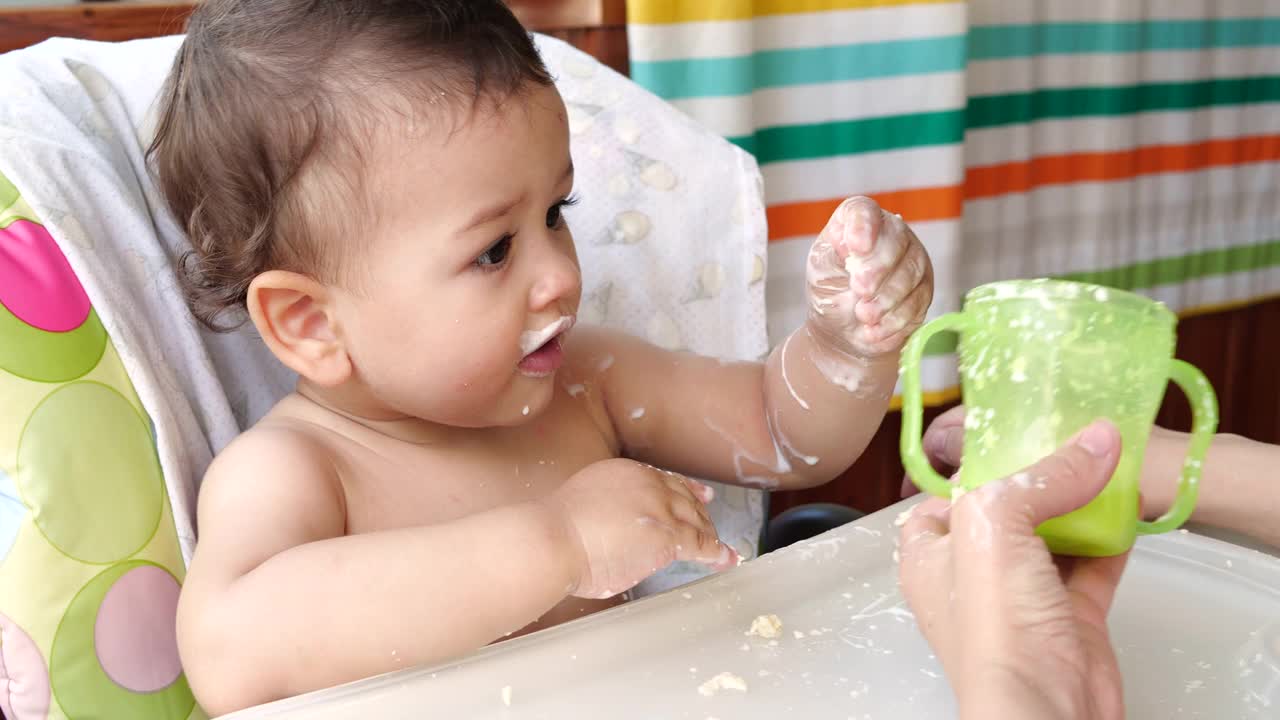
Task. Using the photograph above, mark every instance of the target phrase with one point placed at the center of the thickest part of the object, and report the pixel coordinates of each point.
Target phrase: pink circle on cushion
(135, 633)
(37, 283)
(24, 677)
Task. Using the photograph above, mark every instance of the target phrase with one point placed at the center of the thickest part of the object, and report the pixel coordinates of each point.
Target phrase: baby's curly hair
(269, 111)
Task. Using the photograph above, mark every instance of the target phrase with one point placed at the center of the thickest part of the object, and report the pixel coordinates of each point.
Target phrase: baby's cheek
(461, 390)
(476, 370)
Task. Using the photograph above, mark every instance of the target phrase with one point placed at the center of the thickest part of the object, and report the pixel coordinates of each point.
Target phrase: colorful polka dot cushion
(89, 559)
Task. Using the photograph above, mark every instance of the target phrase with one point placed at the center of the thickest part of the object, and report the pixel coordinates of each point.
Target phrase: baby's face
(470, 266)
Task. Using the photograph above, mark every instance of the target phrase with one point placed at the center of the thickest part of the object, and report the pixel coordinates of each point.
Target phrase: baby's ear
(295, 317)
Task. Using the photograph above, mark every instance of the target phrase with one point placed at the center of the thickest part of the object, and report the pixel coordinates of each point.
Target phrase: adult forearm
(1239, 488)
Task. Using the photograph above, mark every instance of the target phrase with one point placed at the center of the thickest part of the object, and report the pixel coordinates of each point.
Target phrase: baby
(380, 186)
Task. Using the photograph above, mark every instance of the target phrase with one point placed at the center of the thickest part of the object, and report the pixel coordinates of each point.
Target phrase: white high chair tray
(1196, 624)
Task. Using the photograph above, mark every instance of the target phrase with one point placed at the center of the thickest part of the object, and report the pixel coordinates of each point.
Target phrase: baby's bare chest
(394, 485)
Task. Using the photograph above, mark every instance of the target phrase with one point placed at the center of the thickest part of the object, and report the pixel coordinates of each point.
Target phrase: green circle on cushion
(89, 472)
(8, 193)
(34, 354)
(82, 687)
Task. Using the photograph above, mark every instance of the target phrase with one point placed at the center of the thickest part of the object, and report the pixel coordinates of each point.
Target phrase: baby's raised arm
(806, 414)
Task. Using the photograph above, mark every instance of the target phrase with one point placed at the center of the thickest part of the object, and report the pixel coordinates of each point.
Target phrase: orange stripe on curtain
(808, 218)
(992, 180)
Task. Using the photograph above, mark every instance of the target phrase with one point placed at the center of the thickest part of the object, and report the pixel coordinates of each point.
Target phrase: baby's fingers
(702, 491)
(868, 270)
(697, 541)
(864, 224)
(912, 270)
(692, 512)
(724, 557)
(853, 227)
(897, 325)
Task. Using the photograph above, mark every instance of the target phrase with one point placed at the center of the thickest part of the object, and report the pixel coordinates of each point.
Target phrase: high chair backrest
(113, 400)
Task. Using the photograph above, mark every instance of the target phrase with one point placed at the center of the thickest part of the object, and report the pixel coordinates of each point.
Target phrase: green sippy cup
(1040, 360)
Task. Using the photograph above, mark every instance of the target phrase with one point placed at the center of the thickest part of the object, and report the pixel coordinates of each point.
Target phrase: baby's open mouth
(540, 349)
(532, 341)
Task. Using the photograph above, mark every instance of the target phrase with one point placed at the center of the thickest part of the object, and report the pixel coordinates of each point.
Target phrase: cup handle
(912, 450)
(1204, 413)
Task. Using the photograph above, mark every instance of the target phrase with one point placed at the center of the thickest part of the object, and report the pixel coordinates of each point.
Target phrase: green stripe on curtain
(997, 42)
(993, 110)
(846, 137)
(717, 77)
(740, 75)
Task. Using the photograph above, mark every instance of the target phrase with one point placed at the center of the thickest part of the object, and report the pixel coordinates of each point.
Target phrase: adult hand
(1020, 633)
(943, 444)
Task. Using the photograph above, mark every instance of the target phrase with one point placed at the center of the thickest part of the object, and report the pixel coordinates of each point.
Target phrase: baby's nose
(556, 280)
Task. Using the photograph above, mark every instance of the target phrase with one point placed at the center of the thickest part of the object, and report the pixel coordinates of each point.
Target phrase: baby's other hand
(631, 520)
(870, 281)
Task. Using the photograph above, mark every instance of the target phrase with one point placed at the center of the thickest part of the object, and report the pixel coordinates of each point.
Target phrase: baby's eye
(496, 254)
(555, 214)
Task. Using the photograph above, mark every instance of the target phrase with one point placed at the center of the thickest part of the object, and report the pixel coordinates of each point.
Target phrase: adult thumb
(1069, 478)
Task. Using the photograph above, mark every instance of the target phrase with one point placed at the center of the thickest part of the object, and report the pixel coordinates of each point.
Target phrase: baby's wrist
(566, 553)
(849, 370)
(832, 346)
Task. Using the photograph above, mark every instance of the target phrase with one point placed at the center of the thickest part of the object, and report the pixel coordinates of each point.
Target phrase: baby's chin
(525, 400)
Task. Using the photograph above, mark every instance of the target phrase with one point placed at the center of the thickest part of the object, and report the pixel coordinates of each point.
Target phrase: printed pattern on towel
(1131, 144)
(89, 560)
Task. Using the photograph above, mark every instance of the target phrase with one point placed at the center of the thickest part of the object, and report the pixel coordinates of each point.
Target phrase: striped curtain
(1132, 144)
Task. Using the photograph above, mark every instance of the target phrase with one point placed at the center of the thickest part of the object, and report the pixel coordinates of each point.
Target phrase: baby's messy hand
(631, 520)
(870, 281)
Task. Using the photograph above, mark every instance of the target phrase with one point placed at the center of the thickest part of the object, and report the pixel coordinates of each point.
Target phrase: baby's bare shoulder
(596, 353)
(279, 444)
(279, 474)
(586, 343)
